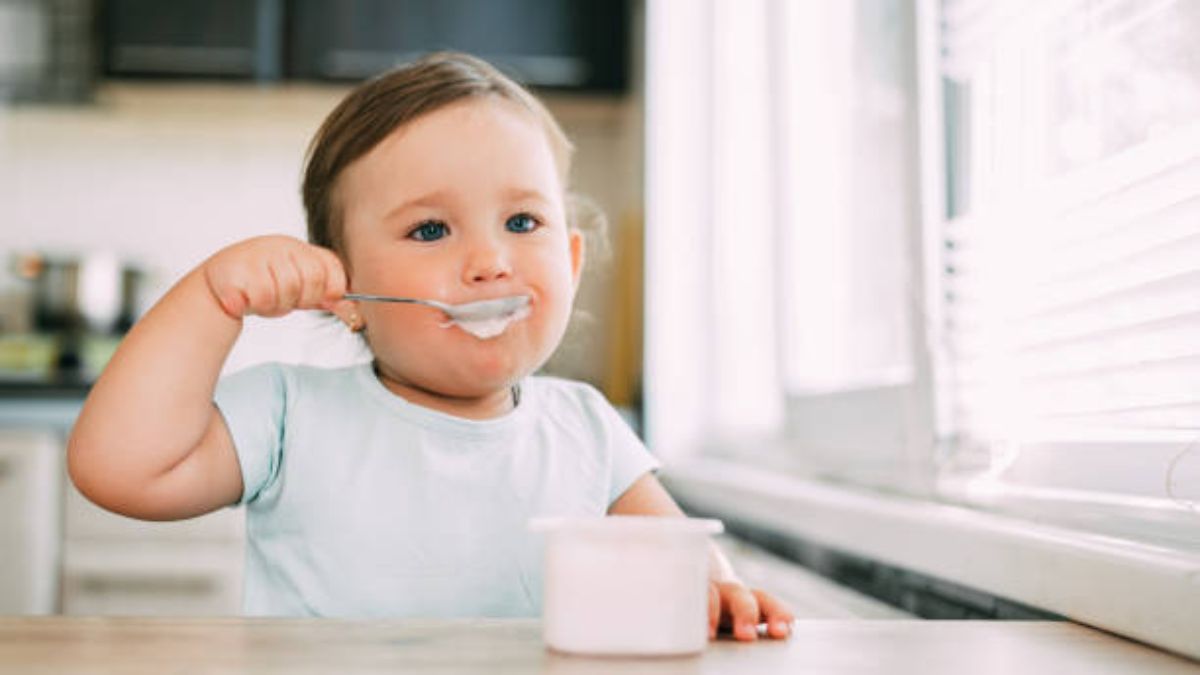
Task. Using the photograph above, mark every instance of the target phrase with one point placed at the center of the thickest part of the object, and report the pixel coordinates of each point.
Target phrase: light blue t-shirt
(360, 504)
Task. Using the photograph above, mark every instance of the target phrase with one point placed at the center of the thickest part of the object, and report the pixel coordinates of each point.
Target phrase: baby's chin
(466, 367)
(481, 381)
(468, 379)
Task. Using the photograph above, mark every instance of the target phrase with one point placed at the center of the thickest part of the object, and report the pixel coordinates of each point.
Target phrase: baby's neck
(491, 405)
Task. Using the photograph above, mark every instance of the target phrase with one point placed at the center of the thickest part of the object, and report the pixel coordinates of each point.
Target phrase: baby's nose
(488, 261)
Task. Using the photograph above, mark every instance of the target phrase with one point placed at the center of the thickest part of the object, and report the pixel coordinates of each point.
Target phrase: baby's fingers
(313, 273)
(776, 615)
(271, 276)
(714, 609)
(287, 282)
(742, 610)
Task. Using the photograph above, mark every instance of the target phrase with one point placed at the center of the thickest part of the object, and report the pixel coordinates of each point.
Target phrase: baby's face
(461, 204)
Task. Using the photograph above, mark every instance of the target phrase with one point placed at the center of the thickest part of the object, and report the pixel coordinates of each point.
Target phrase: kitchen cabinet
(571, 44)
(63, 554)
(46, 50)
(560, 44)
(151, 577)
(113, 565)
(209, 38)
(30, 508)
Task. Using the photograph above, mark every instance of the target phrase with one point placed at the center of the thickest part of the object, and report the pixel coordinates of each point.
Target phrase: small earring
(352, 321)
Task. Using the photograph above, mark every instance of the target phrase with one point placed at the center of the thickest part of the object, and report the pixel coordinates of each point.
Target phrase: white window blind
(1070, 321)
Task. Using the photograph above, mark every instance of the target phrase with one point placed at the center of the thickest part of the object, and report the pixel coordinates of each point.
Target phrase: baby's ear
(586, 223)
(347, 311)
(577, 244)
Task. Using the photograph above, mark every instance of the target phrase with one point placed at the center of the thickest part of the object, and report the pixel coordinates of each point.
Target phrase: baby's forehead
(477, 149)
(471, 124)
(461, 124)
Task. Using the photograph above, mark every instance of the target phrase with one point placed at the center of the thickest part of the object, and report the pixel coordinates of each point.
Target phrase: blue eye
(521, 223)
(430, 230)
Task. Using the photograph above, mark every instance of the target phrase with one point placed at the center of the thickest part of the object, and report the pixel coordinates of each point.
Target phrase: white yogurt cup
(626, 585)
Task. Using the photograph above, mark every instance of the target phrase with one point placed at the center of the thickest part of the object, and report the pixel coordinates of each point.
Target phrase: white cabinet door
(30, 520)
(114, 565)
(152, 577)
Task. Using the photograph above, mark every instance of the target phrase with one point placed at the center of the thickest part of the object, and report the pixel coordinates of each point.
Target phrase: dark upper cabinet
(577, 44)
(567, 44)
(201, 38)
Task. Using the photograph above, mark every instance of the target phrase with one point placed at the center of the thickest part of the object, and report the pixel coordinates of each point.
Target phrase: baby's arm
(731, 603)
(149, 443)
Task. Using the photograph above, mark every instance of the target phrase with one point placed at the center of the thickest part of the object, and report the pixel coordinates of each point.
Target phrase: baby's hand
(733, 607)
(273, 275)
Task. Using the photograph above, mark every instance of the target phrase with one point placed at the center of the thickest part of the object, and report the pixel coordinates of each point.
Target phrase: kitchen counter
(55, 414)
(52, 388)
(235, 645)
(46, 406)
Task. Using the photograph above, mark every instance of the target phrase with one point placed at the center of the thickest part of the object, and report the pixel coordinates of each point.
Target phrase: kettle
(94, 293)
(82, 301)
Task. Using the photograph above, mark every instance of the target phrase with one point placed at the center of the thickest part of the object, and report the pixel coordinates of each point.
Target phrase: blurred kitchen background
(907, 292)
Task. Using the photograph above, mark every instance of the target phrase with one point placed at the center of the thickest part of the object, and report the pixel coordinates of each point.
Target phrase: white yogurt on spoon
(488, 318)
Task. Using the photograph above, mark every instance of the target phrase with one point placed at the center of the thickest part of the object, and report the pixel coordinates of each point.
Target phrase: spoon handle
(383, 298)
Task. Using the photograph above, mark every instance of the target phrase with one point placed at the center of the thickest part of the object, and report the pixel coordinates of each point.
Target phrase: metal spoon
(480, 310)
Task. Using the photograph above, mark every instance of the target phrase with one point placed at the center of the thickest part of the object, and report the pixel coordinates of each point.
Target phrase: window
(783, 235)
(1019, 329)
(855, 358)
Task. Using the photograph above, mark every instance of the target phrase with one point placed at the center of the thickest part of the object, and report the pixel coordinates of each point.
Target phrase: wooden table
(63, 645)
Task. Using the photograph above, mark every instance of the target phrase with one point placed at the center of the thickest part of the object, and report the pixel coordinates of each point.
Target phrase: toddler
(401, 486)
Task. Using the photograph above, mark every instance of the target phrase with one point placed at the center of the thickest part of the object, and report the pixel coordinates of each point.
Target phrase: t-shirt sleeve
(630, 458)
(253, 401)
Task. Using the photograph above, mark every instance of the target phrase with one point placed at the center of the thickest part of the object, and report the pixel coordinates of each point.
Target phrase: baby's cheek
(552, 325)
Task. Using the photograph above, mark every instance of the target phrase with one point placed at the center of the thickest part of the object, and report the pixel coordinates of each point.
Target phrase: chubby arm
(149, 443)
(731, 604)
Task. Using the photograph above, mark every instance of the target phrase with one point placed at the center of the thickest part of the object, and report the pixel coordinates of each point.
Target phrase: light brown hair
(379, 106)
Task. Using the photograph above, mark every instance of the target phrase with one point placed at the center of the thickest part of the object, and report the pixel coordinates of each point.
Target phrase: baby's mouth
(489, 318)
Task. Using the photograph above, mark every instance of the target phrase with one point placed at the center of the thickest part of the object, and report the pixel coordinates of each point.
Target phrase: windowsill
(1144, 592)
